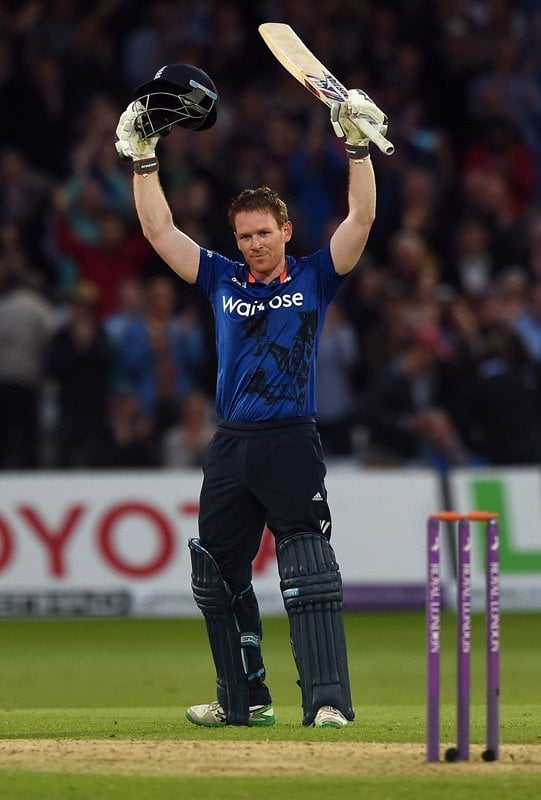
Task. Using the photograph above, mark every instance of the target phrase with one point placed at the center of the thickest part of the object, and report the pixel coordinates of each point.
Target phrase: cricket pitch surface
(192, 758)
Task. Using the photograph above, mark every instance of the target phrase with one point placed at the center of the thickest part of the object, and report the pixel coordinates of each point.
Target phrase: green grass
(166, 663)
(27, 786)
(396, 723)
(115, 679)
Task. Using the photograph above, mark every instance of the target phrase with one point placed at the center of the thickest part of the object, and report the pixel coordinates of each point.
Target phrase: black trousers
(265, 473)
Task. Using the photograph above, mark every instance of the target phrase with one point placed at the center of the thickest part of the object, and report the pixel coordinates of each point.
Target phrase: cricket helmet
(179, 94)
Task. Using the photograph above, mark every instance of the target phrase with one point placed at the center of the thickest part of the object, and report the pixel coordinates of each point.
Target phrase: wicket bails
(463, 632)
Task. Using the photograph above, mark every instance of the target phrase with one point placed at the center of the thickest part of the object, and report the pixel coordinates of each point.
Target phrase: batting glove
(131, 145)
(351, 116)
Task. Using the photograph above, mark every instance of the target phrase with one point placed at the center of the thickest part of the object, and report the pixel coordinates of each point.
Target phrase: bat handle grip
(375, 136)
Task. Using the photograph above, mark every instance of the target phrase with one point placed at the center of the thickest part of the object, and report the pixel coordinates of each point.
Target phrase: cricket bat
(300, 62)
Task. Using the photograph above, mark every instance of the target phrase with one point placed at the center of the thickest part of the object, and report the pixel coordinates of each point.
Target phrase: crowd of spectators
(431, 354)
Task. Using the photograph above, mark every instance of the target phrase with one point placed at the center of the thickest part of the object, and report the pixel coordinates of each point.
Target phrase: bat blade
(300, 62)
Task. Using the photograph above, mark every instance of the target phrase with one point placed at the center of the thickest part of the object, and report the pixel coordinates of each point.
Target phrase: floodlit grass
(132, 679)
(27, 786)
(393, 723)
(153, 663)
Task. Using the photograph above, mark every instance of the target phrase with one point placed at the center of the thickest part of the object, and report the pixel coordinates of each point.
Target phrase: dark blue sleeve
(212, 266)
(206, 274)
(327, 279)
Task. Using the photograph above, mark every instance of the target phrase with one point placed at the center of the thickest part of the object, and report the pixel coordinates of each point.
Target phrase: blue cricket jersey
(267, 334)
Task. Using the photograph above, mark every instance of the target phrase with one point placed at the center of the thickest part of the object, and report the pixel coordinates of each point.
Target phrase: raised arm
(171, 244)
(349, 239)
(176, 248)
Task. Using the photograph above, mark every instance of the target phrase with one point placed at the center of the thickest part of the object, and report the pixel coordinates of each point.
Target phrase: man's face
(262, 242)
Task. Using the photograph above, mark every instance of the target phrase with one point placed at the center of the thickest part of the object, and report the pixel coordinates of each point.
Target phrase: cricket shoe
(212, 715)
(329, 717)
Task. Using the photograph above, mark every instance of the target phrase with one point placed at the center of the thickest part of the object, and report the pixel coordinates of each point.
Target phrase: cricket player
(265, 464)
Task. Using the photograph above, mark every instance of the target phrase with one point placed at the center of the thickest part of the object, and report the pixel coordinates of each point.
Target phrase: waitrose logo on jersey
(234, 305)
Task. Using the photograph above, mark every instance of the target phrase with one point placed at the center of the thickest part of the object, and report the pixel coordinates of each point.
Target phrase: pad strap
(214, 599)
(246, 611)
(312, 592)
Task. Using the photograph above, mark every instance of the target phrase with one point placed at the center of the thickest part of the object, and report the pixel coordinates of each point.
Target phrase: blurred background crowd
(431, 354)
